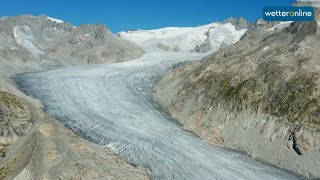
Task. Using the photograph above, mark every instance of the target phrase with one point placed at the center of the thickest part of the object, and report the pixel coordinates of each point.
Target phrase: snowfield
(112, 104)
(55, 20)
(185, 39)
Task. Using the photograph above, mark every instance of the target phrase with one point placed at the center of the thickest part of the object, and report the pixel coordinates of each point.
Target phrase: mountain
(32, 144)
(239, 23)
(220, 97)
(32, 42)
(190, 39)
(260, 95)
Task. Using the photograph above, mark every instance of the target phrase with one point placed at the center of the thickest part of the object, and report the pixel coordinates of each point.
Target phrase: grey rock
(203, 48)
(15, 118)
(168, 48)
(239, 23)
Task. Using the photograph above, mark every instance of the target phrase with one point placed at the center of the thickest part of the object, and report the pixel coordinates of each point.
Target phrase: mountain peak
(239, 22)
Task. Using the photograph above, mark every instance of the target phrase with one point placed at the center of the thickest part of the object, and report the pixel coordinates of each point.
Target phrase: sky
(123, 15)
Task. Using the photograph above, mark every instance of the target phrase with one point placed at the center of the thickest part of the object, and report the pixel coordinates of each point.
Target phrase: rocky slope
(27, 42)
(260, 96)
(33, 145)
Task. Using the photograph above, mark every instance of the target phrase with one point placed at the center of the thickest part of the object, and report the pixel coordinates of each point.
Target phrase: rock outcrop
(212, 44)
(239, 23)
(15, 118)
(260, 95)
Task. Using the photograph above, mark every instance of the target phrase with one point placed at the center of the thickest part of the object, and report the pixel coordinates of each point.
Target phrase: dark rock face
(15, 118)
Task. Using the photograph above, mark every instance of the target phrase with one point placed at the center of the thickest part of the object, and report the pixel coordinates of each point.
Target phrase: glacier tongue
(112, 104)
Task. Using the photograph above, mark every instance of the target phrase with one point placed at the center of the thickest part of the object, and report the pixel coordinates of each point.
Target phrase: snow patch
(260, 22)
(266, 48)
(281, 25)
(3, 18)
(224, 34)
(55, 20)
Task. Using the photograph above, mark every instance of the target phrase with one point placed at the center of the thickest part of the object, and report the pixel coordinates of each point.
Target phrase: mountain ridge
(45, 43)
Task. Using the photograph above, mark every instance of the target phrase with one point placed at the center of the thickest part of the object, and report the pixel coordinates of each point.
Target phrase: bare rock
(239, 23)
(15, 118)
